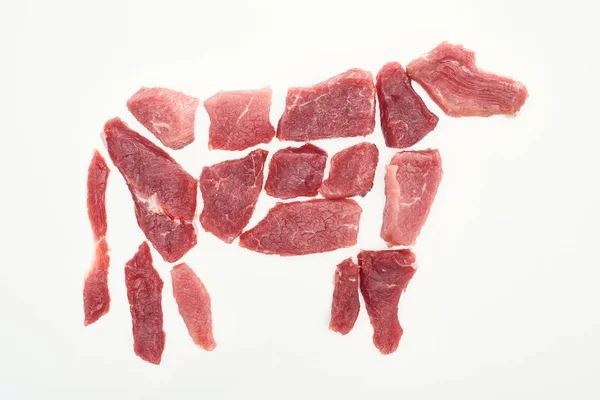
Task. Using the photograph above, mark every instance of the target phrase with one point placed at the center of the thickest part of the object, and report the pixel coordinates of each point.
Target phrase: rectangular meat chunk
(164, 194)
(342, 106)
(295, 172)
(450, 76)
(384, 275)
(305, 227)
(345, 305)
(144, 291)
(405, 119)
(168, 114)
(193, 302)
(239, 119)
(230, 191)
(352, 172)
(96, 298)
(411, 182)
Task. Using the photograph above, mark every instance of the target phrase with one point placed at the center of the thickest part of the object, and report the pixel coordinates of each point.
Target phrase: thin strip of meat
(345, 305)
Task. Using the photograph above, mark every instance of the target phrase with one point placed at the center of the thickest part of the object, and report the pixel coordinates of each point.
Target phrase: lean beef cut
(164, 194)
(405, 119)
(295, 172)
(411, 182)
(239, 119)
(342, 106)
(96, 298)
(230, 190)
(450, 76)
(193, 302)
(144, 291)
(352, 172)
(345, 305)
(168, 114)
(384, 275)
(305, 227)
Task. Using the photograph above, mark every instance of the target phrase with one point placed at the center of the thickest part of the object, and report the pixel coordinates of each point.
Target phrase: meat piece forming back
(352, 172)
(450, 76)
(342, 106)
(384, 275)
(168, 114)
(305, 227)
(239, 119)
(96, 298)
(193, 302)
(295, 172)
(345, 305)
(411, 182)
(405, 119)
(144, 291)
(164, 194)
(230, 191)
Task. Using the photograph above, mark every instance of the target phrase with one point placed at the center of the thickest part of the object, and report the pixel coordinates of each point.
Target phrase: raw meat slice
(305, 227)
(96, 298)
(230, 190)
(164, 193)
(405, 119)
(295, 172)
(194, 305)
(352, 172)
(342, 106)
(239, 119)
(144, 291)
(168, 114)
(345, 306)
(449, 75)
(384, 275)
(411, 182)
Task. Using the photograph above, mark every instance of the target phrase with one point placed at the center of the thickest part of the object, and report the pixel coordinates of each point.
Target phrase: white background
(505, 300)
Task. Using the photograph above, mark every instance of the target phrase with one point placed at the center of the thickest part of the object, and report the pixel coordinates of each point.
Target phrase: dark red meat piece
(305, 227)
(230, 190)
(450, 76)
(168, 114)
(144, 291)
(239, 119)
(164, 193)
(384, 275)
(345, 306)
(342, 106)
(352, 172)
(193, 301)
(295, 172)
(97, 178)
(405, 119)
(411, 182)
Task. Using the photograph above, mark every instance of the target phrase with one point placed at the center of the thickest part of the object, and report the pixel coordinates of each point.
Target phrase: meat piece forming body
(352, 172)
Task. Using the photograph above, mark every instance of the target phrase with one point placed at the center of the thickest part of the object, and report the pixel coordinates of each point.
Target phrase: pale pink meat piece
(450, 76)
(352, 172)
(345, 305)
(167, 113)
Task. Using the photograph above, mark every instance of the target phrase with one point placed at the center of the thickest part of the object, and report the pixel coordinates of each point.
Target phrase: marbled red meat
(144, 292)
(168, 114)
(342, 106)
(164, 194)
(384, 275)
(239, 119)
(450, 76)
(296, 171)
(352, 172)
(405, 119)
(411, 183)
(96, 297)
(230, 190)
(193, 302)
(305, 227)
(345, 305)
